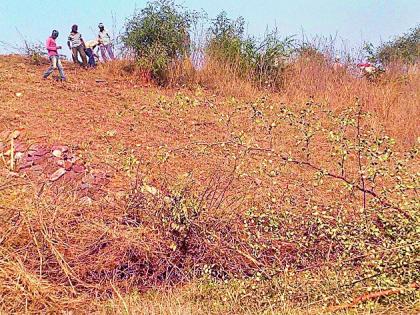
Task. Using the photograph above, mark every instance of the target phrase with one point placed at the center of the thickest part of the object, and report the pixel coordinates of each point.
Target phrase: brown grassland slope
(191, 201)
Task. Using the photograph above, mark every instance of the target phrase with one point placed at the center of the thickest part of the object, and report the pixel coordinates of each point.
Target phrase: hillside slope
(110, 187)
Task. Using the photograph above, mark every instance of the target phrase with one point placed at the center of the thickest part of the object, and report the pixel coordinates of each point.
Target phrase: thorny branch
(360, 187)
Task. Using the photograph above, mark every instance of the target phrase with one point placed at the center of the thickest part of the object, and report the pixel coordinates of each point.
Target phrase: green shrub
(257, 60)
(228, 44)
(405, 48)
(158, 35)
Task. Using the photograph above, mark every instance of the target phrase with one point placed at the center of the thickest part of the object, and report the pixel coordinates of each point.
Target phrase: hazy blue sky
(354, 21)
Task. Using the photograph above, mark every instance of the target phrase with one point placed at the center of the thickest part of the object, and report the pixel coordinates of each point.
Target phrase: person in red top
(52, 49)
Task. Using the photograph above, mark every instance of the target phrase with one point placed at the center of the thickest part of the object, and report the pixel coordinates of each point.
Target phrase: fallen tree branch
(371, 296)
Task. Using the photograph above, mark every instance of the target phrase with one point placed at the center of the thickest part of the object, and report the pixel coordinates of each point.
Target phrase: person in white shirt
(77, 46)
(105, 43)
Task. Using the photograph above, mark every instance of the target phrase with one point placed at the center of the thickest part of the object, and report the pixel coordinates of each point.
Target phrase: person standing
(77, 46)
(52, 49)
(105, 43)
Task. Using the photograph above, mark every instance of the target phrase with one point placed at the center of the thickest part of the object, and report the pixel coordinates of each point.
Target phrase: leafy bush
(250, 58)
(405, 47)
(380, 242)
(159, 35)
(228, 44)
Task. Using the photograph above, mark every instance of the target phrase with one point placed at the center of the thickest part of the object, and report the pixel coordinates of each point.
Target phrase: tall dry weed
(394, 97)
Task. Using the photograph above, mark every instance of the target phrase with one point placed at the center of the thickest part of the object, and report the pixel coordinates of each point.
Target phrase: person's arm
(68, 44)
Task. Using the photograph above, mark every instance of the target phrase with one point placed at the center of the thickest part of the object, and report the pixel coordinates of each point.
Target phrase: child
(52, 49)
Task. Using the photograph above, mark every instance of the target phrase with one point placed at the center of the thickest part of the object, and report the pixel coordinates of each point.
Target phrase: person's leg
(60, 69)
(82, 53)
(74, 55)
(110, 51)
(103, 53)
(50, 69)
(91, 59)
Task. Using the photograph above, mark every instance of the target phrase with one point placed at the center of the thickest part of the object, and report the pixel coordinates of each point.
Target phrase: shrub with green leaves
(380, 241)
(228, 43)
(258, 60)
(405, 47)
(158, 35)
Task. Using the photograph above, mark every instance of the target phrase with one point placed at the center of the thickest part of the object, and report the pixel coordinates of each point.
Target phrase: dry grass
(58, 253)
(394, 97)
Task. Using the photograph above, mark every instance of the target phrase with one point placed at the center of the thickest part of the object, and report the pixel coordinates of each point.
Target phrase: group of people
(79, 47)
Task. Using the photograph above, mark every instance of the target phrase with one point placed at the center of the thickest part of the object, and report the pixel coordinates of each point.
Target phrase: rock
(18, 147)
(68, 165)
(78, 168)
(57, 153)
(85, 186)
(37, 168)
(86, 201)
(37, 151)
(18, 94)
(100, 181)
(72, 176)
(34, 159)
(88, 179)
(72, 158)
(57, 174)
(62, 148)
(19, 156)
(60, 163)
(26, 164)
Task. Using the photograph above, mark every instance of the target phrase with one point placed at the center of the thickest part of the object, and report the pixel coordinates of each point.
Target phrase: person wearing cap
(105, 43)
(77, 46)
(52, 49)
(90, 46)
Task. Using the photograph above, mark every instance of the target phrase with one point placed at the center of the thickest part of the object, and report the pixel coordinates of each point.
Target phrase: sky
(351, 21)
